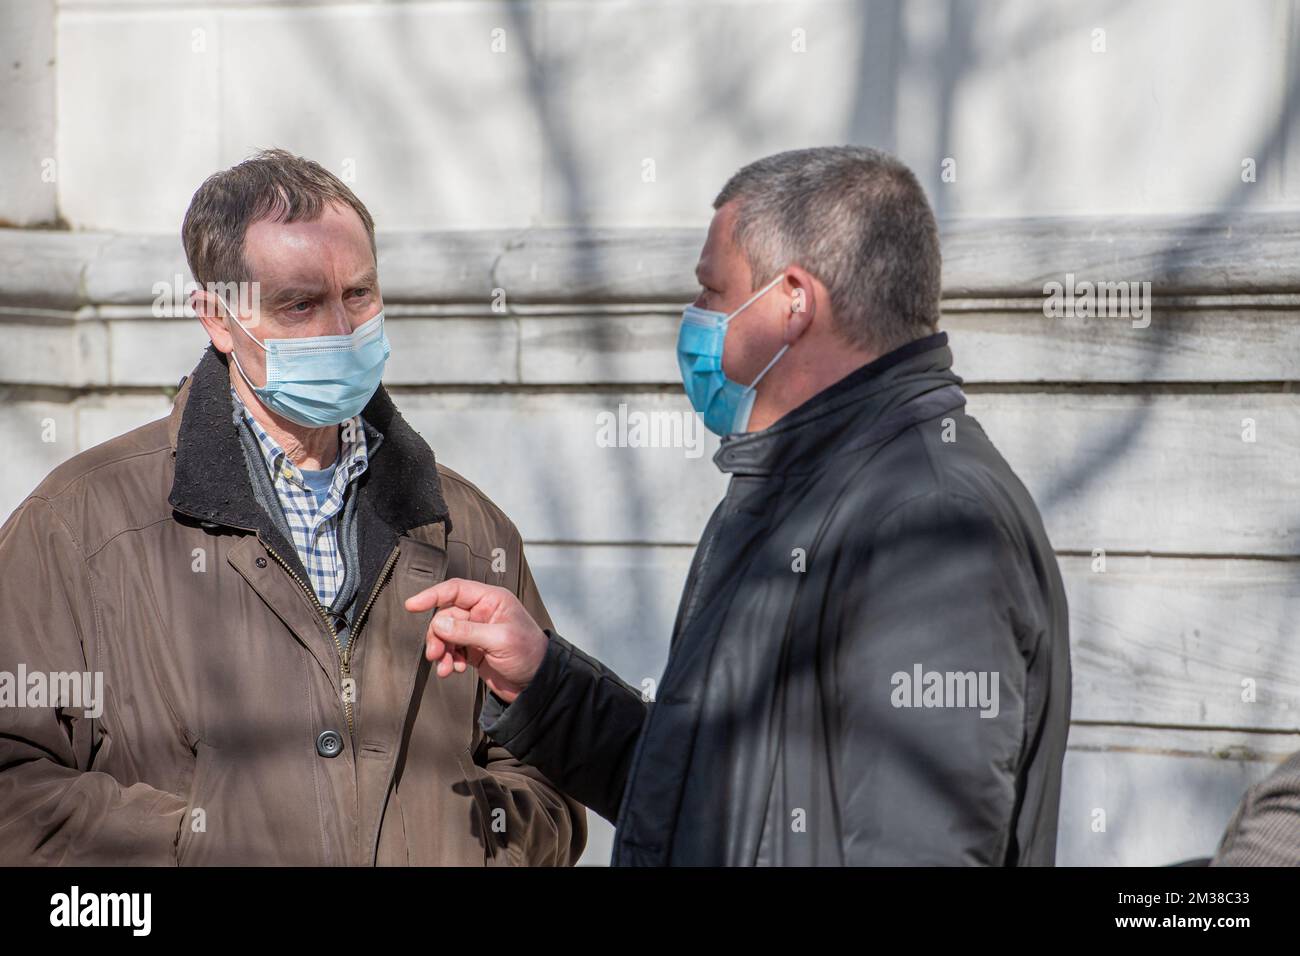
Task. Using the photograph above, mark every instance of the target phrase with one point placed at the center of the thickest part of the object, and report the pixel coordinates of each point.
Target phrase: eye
(300, 307)
(361, 293)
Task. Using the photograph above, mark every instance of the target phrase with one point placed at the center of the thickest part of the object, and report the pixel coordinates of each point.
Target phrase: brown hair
(275, 185)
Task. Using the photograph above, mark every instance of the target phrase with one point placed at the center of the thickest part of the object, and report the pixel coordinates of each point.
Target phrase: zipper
(345, 653)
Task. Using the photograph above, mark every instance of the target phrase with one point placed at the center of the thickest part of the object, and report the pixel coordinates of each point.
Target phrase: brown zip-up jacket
(233, 729)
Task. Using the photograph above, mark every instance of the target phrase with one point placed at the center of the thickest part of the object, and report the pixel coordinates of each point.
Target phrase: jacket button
(329, 743)
(260, 562)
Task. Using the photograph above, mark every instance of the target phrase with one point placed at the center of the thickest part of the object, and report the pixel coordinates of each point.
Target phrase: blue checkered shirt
(315, 529)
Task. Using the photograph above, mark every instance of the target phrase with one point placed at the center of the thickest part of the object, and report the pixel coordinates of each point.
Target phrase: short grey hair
(858, 220)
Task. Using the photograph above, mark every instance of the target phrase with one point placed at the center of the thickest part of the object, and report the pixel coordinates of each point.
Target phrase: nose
(339, 322)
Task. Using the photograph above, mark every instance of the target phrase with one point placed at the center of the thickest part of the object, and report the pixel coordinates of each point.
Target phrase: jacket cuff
(507, 722)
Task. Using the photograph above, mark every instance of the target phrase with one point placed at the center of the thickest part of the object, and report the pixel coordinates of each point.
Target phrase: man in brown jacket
(1265, 828)
(226, 586)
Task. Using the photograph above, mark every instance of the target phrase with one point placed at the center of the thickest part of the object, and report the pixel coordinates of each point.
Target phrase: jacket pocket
(197, 801)
(469, 772)
(393, 849)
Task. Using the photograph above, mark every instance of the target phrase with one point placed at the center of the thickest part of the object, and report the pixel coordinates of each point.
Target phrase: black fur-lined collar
(399, 490)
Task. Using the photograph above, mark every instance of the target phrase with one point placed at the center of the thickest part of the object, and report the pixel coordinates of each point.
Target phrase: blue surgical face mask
(323, 380)
(725, 405)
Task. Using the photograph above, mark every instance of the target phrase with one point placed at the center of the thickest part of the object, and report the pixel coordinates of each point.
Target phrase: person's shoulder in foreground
(1265, 829)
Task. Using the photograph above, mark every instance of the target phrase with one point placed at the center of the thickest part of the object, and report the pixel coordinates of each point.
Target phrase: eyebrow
(293, 293)
(367, 278)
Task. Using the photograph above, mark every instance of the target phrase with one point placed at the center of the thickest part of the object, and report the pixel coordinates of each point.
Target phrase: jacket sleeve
(577, 721)
(938, 589)
(55, 808)
(1265, 829)
(537, 823)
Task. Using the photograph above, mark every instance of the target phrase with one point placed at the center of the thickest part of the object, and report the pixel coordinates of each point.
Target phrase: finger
(434, 647)
(445, 665)
(454, 592)
(482, 612)
(464, 633)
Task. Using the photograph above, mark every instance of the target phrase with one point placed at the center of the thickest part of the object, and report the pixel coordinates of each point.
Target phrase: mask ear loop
(233, 354)
(758, 378)
(751, 389)
(754, 298)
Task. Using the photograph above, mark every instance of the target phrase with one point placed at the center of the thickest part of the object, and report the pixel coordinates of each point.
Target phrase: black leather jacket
(870, 663)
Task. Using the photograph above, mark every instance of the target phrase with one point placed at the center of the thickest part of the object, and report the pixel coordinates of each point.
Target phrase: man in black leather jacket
(870, 663)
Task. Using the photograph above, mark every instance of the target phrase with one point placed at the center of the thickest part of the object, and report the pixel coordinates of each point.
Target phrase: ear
(213, 316)
(801, 290)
